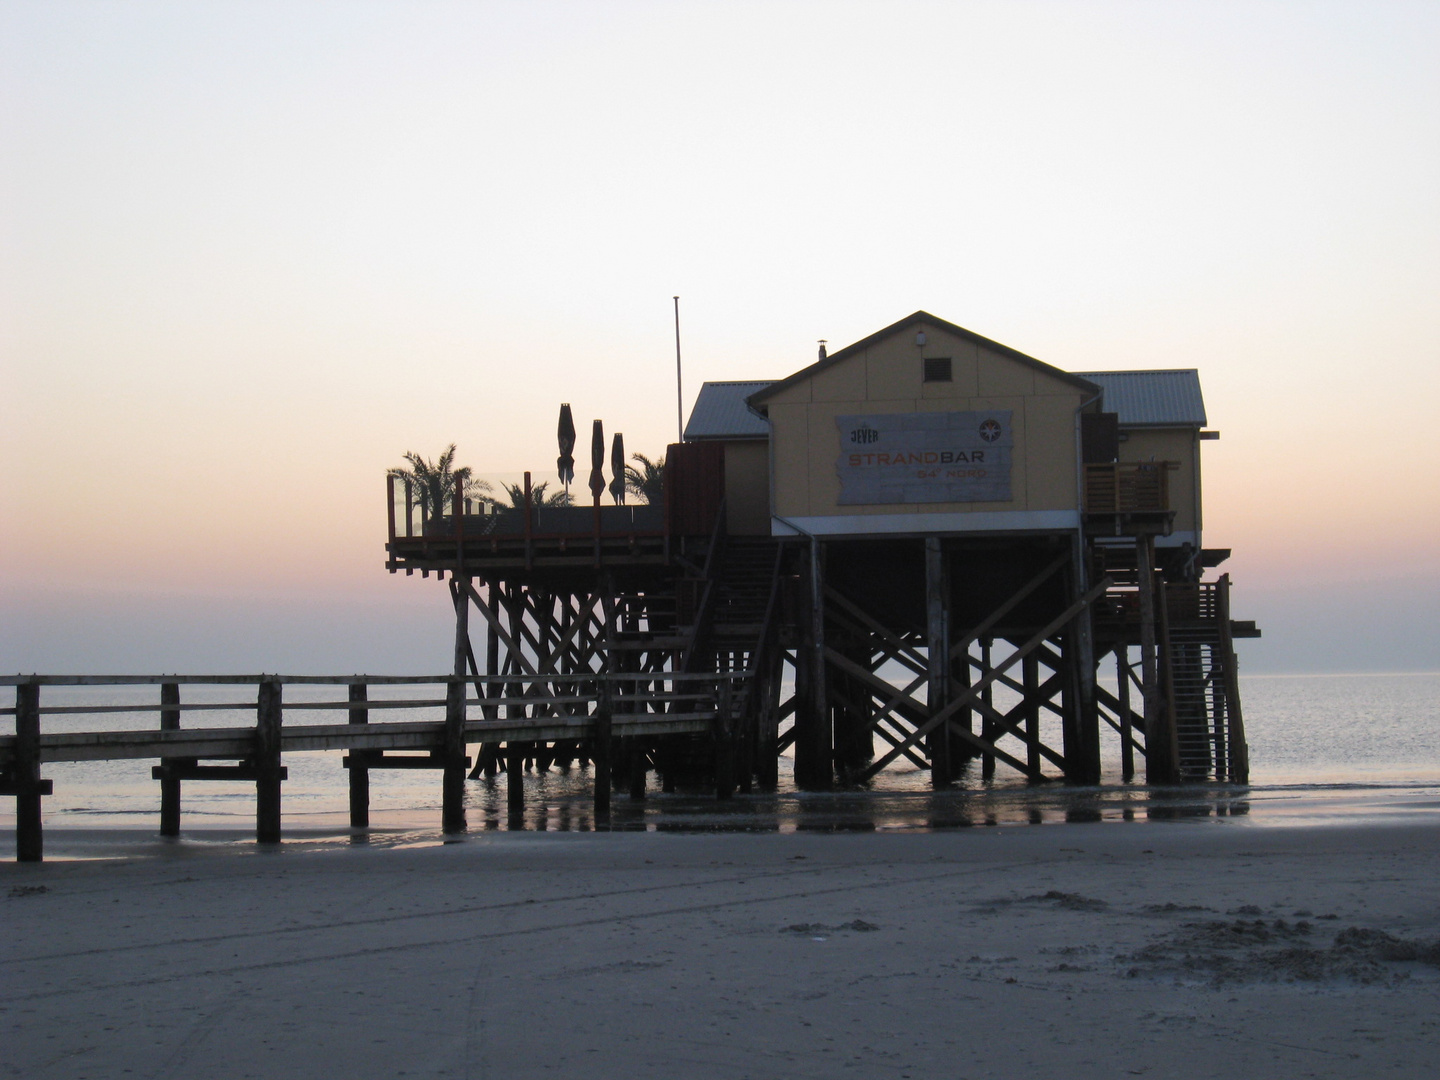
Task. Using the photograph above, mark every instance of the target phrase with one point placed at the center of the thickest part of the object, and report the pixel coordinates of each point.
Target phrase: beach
(1182, 948)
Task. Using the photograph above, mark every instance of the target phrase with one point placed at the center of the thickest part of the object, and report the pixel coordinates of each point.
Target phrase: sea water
(1322, 747)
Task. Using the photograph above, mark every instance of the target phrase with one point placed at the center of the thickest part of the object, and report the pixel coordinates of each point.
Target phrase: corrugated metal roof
(720, 412)
(1151, 398)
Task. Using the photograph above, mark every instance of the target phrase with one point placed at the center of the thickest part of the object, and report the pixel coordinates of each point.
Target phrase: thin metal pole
(679, 397)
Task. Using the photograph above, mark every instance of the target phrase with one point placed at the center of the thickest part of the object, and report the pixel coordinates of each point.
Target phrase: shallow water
(1323, 748)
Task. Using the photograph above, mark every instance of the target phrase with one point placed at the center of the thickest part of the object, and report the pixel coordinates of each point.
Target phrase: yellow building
(927, 428)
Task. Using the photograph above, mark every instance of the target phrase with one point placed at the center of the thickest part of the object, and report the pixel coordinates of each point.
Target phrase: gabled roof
(1165, 398)
(927, 319)
(720, 412)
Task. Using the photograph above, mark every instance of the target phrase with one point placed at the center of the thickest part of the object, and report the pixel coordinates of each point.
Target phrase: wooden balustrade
(1127, 487)
(567, 706)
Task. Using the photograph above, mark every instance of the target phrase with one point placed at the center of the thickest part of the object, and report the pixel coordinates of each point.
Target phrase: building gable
(889, 365)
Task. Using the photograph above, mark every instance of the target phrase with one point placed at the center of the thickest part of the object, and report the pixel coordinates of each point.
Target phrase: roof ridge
(1141, 371)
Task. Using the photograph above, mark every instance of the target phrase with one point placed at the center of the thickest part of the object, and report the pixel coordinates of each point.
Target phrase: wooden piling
(724, 741)
(268, 719)
(359, 774)
(937, 649)
(452, 811)
(1165, 737)
(1087, 714)
(1030, 680)
(452, 793)
(814, 740)
(29, 839)
(1127, 726)
(601, 754)
(1157, 760)
(987, 698)
(515, 779)
(639, 765)
(170, 783)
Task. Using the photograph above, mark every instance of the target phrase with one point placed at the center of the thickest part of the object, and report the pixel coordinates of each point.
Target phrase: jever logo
(990, 430)
(864, 434)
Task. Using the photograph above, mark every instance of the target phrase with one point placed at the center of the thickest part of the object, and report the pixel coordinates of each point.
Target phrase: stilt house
(926, 550)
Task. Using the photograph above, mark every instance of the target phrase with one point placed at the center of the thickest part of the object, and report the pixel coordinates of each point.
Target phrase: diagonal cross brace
(963, 645)
(971, 695)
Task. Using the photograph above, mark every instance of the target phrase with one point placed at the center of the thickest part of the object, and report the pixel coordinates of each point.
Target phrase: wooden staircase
(1197, 661)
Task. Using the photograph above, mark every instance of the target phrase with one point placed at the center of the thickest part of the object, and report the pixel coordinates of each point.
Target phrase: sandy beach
(1177, 949)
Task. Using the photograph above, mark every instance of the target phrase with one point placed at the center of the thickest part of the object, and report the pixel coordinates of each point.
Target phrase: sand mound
(1224, 952)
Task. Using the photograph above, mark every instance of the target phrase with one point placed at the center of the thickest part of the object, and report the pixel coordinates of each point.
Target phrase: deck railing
(552, 707)
(1127, 487)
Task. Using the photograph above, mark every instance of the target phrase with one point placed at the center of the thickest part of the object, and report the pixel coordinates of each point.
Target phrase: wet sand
(1181, 948)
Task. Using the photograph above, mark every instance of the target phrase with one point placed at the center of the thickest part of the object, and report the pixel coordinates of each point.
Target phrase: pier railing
(586, 709)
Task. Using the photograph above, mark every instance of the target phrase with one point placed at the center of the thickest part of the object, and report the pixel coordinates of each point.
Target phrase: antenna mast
(679, 398)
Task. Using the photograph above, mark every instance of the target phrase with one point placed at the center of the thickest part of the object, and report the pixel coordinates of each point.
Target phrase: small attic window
(937, 369)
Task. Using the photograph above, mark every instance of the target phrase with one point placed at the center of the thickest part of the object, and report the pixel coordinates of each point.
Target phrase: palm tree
(516, 494)
(648, 481)
(436, 482)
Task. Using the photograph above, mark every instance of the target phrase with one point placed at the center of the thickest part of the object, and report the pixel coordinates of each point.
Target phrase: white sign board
(925, 457)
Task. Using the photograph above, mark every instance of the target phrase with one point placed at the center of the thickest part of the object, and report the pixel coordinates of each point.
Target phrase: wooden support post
(604, 710)
(492, 661)
(987, 697)
(29, 838)
(515, 779)
(452, 791)
(170, 784)
(457, 522)
(1157, 746)
(1030, 679)
(390, 515)
(1069, 708)
(1080, 637)
(724, 739)
(452, 813)
(529, 526)
(937, 649)
(596, 521)
(814, 768)
(268, 718)
(359, 774)
(1169, 715)
(638, 766)
(771, 677)
(1127, 727)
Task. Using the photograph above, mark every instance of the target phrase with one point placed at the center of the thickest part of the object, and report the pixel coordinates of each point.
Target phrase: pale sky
(252, 252)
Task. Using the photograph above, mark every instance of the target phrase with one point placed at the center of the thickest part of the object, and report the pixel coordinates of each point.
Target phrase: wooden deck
(585, 712)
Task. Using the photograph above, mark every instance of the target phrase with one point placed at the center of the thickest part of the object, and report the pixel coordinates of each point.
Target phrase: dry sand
(1112, 950)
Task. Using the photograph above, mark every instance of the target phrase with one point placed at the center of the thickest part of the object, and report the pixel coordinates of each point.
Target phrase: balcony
(1128, 498)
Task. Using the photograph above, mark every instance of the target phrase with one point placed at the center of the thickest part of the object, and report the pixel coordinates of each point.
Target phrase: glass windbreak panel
(495, 506)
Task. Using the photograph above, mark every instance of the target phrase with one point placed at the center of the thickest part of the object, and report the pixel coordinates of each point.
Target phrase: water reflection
(561, 803)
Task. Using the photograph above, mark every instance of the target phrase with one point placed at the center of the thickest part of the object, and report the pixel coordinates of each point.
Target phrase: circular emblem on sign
(990, 430)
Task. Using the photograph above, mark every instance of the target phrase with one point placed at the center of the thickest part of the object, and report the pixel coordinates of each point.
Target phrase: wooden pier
(585, 719)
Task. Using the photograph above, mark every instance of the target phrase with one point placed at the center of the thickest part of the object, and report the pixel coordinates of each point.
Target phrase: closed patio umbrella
(597, 460)
(566, 433)
(617, 469)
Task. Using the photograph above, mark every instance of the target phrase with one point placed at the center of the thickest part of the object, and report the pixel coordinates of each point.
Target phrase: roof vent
(822, 348)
